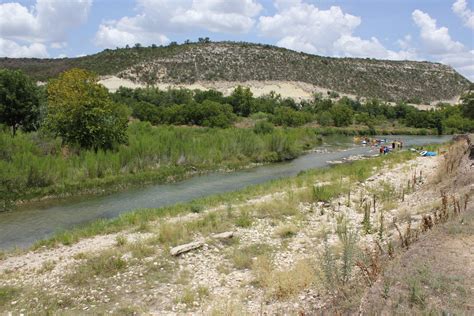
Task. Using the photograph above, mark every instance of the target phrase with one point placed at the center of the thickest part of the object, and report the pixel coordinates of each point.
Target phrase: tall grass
(32, 165)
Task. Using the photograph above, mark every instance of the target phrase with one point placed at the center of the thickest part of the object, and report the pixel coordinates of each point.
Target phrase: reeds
(33, 165)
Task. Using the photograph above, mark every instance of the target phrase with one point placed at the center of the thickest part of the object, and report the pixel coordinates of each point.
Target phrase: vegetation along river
(21, 228)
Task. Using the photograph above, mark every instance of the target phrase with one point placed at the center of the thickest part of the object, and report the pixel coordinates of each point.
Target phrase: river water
(21, 228)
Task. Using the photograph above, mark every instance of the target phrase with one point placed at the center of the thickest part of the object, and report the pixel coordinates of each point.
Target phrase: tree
(342, 115)
(325, 118)
(82, 113)
(19, 103)
(241, 101)
(467, 104)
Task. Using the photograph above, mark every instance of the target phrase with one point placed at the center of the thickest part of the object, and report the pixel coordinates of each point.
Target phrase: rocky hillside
(224, 61)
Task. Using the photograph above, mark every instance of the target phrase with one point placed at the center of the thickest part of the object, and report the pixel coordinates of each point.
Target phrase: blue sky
(435, 30)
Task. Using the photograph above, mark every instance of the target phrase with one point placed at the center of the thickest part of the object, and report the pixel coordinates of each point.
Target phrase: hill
(241, 62)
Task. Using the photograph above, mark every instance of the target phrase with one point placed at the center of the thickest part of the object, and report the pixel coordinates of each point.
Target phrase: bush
(263, 127)
(287, 116)
(342, 115)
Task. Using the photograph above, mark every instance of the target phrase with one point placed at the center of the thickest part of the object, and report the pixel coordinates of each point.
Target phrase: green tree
(19, 103)
(325, 118)
(241, 101)
(341, 115)
(467, 104)
(82, 113)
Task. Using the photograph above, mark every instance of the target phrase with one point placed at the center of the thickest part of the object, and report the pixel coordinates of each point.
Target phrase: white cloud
(230, 16)
(156, 18)
(126, 31)
(302, 26)
(47, 21)
(12, 49)
(463, 62)
(436, 40)
(467, 15)
(436, 44)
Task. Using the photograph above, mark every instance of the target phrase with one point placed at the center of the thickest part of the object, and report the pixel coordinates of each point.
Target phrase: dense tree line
(82, 112)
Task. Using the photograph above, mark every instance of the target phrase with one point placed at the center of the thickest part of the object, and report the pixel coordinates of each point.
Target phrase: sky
(434, 30)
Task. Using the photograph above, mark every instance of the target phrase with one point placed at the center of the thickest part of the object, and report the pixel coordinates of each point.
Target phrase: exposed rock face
(224, 61)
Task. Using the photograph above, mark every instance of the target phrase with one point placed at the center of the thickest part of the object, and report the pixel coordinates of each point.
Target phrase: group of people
(385, 145)
(396, 144)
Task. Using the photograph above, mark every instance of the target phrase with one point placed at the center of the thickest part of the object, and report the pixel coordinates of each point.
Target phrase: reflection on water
(23, 227)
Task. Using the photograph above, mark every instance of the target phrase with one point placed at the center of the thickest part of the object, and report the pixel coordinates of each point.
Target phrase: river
(22, 227)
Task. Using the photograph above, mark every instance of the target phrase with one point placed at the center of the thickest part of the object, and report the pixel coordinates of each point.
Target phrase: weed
(366, 225)
(140, 250)
(416, 296)
(173, 234)
(243, 257)
(286, 231)
(283, 284)
(161, 269)
(244, 219)
(47, 266)
(107, 264)
(8, 293)
(348, 238)
(190, 296)
(120, 240)
(227, 308)
(381, 225)
(324, 193)
(386, 289)
(196, 208)
(370, 265)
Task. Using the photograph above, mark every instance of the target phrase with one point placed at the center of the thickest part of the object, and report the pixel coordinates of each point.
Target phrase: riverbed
(21, 228)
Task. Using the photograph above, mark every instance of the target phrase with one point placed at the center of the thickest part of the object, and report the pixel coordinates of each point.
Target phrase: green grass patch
(106, 264)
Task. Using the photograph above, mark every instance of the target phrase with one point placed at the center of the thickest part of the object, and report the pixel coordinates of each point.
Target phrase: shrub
(263, 127)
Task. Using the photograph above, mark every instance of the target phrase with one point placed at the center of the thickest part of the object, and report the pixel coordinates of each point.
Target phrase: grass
(106, 264)
(161, 269)
(140, 249)
(244, 219)
(356, 170)
(121, 240)
(7, 294)
(36, 166)
(242, 258)
(283, 284)
(47, 266)
(286, 230)
(324, 193)
(191, 296)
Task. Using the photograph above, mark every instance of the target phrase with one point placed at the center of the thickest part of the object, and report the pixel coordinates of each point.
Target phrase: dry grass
(192, 296)
(283, 284)
(452, 160)
(286, 230)
(227, 308)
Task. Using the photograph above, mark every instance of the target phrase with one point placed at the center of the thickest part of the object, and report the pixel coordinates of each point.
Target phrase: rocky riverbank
(300, 249)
